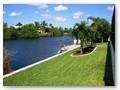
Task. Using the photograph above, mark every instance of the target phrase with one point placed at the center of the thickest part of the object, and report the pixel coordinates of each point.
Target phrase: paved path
(71, 47)
(68, 48)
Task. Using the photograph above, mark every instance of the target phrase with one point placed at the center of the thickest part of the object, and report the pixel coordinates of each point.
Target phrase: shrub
(6, 60)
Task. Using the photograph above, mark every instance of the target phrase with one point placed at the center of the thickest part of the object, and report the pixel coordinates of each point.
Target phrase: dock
(68, 48)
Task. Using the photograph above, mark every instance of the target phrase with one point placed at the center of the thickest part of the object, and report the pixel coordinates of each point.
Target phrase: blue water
(28, 51)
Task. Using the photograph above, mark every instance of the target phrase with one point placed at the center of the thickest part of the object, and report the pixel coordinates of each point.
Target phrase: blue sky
(60, 15)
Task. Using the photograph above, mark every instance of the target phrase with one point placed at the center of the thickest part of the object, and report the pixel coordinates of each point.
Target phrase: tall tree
(80, 32)
(102, 28)
(19, 24)
(96, 22)
(51, 26)
(43, 26)
(91, 34)
(29, 31)
(5, 31)
(5, 25)
(13, 33)
(37, 25)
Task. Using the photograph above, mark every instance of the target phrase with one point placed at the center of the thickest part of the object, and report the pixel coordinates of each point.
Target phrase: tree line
(30, 30)
(96, 32)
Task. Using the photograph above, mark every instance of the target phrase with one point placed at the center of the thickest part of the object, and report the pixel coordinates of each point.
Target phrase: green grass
(64, 70)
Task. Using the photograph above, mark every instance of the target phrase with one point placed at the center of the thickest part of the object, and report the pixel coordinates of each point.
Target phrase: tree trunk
(91, 41)
(81, 46)
(102, 39)
(77, 40)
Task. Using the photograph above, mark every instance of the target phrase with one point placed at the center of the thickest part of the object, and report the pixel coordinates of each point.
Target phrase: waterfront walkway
(68, 48)
(71, 47)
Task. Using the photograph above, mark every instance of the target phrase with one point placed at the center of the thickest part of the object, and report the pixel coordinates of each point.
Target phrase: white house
(17, 26)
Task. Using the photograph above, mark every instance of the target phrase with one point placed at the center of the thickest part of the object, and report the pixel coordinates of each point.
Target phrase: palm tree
(5, 26)
(95, 25)
(19, 24)
(91, 34)
(101, 26)
(51, 26)
(43, 26)
(37, 25)
(104, 29)
(80, 32)
(96, 22)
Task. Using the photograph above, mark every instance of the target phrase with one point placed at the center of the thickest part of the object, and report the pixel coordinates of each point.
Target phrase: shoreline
(71, 47)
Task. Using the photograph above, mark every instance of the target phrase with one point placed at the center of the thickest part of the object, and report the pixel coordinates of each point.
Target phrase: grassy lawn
(64, 70)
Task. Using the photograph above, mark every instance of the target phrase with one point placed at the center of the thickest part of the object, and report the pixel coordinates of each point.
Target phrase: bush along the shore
(6, 60)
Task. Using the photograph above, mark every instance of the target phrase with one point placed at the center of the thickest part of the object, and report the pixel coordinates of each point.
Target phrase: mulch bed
(86, 50)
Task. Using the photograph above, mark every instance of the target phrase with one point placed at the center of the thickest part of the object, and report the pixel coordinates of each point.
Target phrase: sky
(60, 15)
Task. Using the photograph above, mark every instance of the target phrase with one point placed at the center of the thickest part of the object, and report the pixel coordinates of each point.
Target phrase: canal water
(28, 51)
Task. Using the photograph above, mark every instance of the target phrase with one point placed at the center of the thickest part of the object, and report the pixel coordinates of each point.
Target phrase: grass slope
(64, 70)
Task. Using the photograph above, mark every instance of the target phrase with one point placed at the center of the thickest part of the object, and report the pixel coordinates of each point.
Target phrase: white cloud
(46, 15)
(111, 8)
(60, 8)
(47, 11)
(34, 4)
(36, 12)
(43, 6)
(77, 15)
(60, 19)
(40, 6)
(15, 14)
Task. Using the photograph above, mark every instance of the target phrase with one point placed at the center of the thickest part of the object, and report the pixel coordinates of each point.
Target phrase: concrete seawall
(71, 47)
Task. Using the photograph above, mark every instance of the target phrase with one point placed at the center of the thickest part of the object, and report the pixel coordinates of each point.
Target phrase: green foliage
(90, 34)
(13, 32)
(71, 32)
(5, 31)
(26, 31)
(19, 24)
(102, 29)
(98, 31)
(43, 26)
(37, 25)
(55, 32)
(10, 33)
(81, 29)
(30, 30)
(80, 32)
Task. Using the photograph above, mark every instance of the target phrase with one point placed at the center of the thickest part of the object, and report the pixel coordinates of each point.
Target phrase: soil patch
(86, 50)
